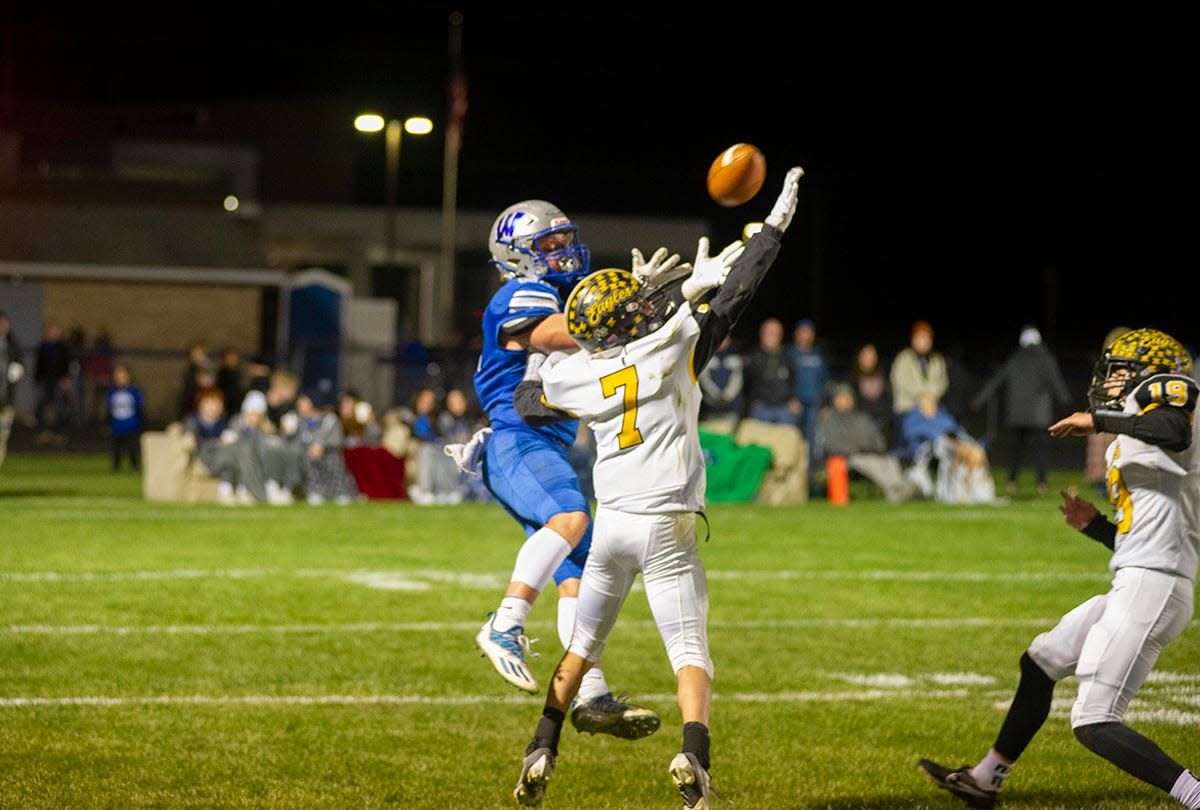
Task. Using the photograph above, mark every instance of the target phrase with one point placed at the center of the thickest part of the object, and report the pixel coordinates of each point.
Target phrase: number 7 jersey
(642, 406)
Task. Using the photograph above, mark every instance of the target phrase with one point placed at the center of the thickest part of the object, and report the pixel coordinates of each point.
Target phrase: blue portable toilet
(317, 305)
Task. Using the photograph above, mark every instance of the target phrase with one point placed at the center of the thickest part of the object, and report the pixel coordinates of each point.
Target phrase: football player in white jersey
(645, 340)
(1142, 391)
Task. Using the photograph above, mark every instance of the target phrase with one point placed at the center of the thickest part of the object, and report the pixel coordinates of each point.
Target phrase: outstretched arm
(548, 335)
(746, 273)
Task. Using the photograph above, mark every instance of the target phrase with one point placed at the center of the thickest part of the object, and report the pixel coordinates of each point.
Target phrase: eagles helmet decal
(604, 310)
(1141, 353)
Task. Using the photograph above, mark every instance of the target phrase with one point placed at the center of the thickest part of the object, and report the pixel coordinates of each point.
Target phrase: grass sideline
(161, 655)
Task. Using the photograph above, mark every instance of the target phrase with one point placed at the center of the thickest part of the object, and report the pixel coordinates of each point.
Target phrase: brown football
(737, 174)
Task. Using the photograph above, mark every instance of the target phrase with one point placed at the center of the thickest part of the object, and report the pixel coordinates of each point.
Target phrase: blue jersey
(125, 410)
(518, 305)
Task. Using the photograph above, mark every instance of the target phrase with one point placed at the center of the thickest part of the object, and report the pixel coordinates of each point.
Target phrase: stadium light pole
(392, 129)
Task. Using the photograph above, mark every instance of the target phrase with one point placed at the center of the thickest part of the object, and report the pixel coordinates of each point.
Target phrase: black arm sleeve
(1102, 531)
(533, 410)
(528, 399)
(1168, 428)
(721, 312)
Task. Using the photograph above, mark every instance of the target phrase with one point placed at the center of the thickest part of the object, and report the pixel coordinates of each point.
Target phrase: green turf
(160, 655)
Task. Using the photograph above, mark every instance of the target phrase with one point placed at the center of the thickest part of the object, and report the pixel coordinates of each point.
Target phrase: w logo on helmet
(506, 226)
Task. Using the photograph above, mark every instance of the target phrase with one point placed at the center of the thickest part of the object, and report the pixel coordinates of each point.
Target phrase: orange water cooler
(837, 477)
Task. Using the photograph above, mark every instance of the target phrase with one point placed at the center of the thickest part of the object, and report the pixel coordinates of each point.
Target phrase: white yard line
(407, 579)
(423, 627)
(1152, 705)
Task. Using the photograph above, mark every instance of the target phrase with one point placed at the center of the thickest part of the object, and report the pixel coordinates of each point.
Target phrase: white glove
(468, 456)
(660, 270)
(785, 205)
(711, 271)
(15, 372)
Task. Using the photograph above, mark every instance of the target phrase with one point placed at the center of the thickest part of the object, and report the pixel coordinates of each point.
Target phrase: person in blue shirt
(536, 249)
(125, 410)
(811, 377)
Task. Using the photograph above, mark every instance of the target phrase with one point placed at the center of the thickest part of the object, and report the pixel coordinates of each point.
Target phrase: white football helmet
(534, 239)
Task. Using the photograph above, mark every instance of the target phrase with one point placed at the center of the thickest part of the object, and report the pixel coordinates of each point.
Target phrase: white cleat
(506, 650)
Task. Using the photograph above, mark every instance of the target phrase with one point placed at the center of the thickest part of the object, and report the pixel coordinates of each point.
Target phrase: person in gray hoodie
(1034, 384)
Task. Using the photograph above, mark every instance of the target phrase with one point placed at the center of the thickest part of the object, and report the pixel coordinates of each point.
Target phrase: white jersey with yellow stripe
(1155, 492)
(642, 406)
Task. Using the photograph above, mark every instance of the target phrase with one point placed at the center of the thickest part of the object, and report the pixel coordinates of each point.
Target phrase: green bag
(734, 471)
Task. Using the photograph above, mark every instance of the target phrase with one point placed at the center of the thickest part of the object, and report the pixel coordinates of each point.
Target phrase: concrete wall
(151, 326)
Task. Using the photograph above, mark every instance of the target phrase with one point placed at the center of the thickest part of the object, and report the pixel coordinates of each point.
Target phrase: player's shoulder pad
(1167, 390)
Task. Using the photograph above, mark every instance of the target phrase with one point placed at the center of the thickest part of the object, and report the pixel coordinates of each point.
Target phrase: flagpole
(457, 104)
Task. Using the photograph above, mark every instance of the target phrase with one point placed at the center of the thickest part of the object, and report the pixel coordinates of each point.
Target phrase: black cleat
(959, 782)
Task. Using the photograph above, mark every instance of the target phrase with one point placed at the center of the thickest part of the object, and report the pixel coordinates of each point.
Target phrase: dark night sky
(975, 168)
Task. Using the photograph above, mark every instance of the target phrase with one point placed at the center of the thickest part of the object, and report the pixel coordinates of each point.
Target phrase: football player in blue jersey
(536, 248)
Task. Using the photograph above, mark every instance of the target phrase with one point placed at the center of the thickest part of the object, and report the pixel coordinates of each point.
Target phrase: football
(736, 175)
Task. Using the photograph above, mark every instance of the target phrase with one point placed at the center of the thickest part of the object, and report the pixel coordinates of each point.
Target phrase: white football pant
(663, 549)
(1110, 642)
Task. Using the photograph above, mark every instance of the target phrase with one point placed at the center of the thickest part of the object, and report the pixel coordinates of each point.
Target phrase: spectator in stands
(197, 358)
(99, 372)
(811, 376)
(281, 455)
(227, 446)
(844, 430)
(438, 477)
(360, 424)
(126, 419)
(282, 389)
(321, 438)
(933, 441)
(1034, 390)
(231, 377)
(873, 390)
(12, 362)
(917, 370)
(12, 371)
(462, 418)
(249, 429)
(721, 382)
(52, 406)
(770, 378)
(258, 375)
(77, 351)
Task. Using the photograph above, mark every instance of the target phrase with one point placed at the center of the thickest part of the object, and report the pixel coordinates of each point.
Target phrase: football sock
(540, 554)
(1131, 752)
(696, 741)
(548, 730)
(593, 684)
(1187, 790)
(991, 771)
(225, 489)
(566, 619)
(1028, 712)
(513, 612)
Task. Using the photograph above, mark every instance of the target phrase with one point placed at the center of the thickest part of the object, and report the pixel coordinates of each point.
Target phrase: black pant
(1032, 439)
(128, 445)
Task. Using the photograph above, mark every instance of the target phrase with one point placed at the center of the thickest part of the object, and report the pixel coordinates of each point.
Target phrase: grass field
(158, 655)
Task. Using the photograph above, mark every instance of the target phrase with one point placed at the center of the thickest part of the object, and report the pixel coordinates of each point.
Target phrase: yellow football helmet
(1141, 353)
(605, 311)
